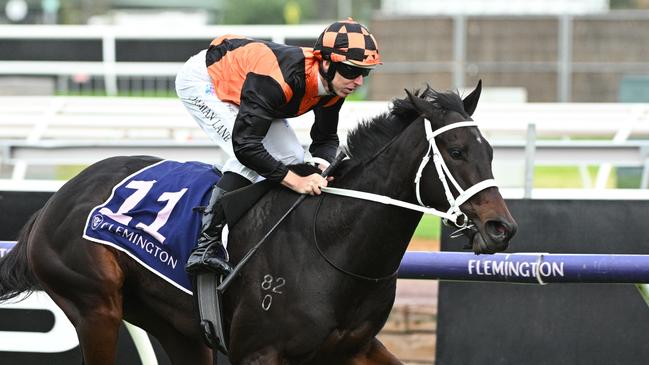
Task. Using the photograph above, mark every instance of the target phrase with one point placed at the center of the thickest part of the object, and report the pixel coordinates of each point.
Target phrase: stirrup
(217, 266)
(211, 264)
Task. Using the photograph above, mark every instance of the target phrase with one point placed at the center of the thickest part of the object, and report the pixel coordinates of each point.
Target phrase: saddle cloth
(150, 216)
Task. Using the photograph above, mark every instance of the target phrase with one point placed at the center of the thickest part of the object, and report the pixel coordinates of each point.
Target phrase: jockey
(240, 91)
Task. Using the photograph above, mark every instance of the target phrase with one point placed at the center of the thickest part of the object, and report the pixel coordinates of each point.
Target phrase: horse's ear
(471, 101)
(420, 104)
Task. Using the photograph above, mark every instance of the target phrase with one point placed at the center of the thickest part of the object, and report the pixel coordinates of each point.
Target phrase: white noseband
(445, 175)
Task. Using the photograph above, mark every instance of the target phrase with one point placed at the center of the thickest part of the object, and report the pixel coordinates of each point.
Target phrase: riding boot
(209, 253)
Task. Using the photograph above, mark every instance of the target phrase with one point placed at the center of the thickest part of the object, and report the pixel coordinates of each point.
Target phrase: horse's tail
(15, 275)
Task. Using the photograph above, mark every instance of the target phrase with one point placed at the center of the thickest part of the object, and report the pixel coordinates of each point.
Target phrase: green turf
(429, 228)
(566, 177)
(67, 172)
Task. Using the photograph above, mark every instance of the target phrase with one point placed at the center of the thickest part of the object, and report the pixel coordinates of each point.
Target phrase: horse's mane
(371, 135)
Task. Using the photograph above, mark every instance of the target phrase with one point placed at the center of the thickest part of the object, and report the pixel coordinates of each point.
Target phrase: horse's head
(462, 179)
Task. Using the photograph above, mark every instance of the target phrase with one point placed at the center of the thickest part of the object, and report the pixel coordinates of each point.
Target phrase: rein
(454, 214)
(332, 264)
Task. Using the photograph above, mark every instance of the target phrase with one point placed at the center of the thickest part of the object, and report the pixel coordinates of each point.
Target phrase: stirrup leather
(211, 311)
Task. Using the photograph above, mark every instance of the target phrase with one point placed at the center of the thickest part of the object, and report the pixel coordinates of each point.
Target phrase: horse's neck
(376, 233)
(392, 171)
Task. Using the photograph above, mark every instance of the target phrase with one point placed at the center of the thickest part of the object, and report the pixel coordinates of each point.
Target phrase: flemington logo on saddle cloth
(150, 216)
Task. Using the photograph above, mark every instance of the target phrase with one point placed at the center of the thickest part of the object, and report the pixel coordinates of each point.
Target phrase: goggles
(351, 72)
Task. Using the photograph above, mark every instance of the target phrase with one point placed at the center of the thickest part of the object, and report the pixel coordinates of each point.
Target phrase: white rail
(110, 68)
(44, 118)
(81, 130)
(277, 33)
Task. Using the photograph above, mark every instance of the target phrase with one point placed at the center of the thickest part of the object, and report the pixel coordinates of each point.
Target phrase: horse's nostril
(497, 230)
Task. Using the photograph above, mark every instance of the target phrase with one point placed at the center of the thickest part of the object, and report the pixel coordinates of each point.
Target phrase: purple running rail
(533, 268)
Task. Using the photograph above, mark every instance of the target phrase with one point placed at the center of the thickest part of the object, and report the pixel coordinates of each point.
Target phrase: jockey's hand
(323, 167)
(304, 184)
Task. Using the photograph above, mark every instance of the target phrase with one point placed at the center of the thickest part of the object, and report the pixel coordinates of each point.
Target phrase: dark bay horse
(320, 288)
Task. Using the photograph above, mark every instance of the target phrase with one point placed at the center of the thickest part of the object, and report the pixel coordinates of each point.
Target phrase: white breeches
(195, 90)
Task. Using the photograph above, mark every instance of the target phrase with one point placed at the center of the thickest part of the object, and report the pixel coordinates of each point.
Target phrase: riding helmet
(349, 42)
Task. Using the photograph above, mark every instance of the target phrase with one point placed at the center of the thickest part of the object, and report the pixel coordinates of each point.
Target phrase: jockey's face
(343, 86)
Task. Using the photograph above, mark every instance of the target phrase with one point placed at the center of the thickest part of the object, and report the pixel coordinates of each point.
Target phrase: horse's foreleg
(374, 354)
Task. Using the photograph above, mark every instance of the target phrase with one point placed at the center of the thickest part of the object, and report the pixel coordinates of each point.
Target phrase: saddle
(238, 202)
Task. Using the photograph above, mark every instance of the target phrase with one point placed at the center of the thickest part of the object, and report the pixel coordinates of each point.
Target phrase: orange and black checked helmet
(349, 42)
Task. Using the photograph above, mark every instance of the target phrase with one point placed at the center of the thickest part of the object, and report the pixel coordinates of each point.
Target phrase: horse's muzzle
(493, 236)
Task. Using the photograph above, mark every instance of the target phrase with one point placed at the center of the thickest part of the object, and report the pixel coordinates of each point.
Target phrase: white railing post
(530, 150)
(109, 59)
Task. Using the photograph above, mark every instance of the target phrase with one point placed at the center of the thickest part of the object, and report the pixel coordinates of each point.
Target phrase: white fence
(81, 130)
(109, 68)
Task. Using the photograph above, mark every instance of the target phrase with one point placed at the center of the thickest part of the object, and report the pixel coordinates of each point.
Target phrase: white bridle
(454, 213)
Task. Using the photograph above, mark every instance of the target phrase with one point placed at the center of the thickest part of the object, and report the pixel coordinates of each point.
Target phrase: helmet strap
(329, 75)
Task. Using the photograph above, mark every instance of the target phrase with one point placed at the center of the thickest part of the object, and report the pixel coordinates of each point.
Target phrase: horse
(321, 287)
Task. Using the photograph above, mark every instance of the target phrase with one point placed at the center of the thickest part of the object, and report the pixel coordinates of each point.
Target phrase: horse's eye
(456, 153)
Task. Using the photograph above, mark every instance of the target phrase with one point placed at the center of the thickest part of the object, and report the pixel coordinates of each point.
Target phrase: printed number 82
(272, 284)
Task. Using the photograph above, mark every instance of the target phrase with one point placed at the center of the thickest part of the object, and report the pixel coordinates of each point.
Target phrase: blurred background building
(530, 50)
